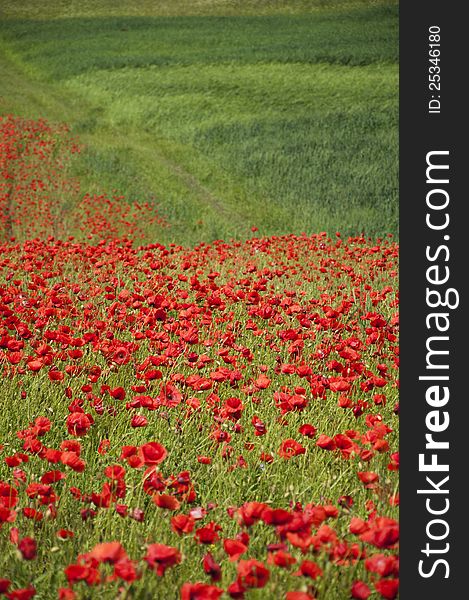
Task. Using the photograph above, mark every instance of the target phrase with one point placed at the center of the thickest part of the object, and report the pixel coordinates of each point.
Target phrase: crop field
(199, 304)
(289, 120)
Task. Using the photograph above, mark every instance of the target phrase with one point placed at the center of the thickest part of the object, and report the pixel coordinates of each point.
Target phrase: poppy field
(215, 421)
(199, 346)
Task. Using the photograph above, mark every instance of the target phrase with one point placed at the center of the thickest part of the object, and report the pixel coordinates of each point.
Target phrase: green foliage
(284, 121)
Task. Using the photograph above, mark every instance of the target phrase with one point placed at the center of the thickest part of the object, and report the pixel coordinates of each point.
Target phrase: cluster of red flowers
(270, 352)
(38, 198)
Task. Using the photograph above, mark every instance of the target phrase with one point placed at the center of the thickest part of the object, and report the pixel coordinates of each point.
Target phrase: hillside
(285, 119)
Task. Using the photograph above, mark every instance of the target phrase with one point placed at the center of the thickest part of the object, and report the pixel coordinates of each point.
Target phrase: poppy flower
(211, 567)
(383, 565)
(234, 548)
(63, 534)
(290, 448)
(298, 596)
(105, 315)
(325, 442)
(387, 588)
(360, 591)
(182, 524)
(262, 382)
(259, 426)
(358, 526)
(307, 430)
(8, 495)
(67, 594)
(108, 552)
(117, 393)
(72, 460)
(382, 533)
(208, 534)
(32, 513)
(308, 568)
(251, 512)
(28, 548)
(103, 446)
(166, 501)
(160, 557)
(139, 421)
(252, 573)
(276, 516)
(152, 453)
(200, 591)
(78, 423)
(76, 572)
(52, 477)
(368, 477)
(266, 458)
(125, 569)
(22, 593)
(281, 558)
(236, 590)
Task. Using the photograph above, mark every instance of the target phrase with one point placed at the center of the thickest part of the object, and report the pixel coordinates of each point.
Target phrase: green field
(198, 387)
(281, 115)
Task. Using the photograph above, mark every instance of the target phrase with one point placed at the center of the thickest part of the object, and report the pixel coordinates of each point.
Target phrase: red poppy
(368, 477)
(388, 588)
(78, 423)
(182, 524)
(250, 512)
(383, 565)
(28, 548)
(118, 393)
(308, 568)
(32, 513)
(290, 448)
(360, 591)
(234, 548)
(125, 569)
(262, 382)
(22, 594)
(52, 477)
(152, 453)
(325, 442)
(299, 596)
(308, 430)
(139, 421)
(8, 495)
(72, 460)
(160, 557)
(103, 446)
(108, 552)
(200, 591)
(211, 567)
(166, 501)
(208, 534)
(252, 573)
(63, 534)
(281, 558)
(276, 516)
(382, 533)
(77, 572)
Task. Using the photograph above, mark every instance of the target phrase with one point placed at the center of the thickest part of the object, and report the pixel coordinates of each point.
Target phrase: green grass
(54, 9)
(286, 119)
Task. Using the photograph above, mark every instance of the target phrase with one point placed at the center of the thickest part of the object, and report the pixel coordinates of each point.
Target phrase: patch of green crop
(287, 120)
